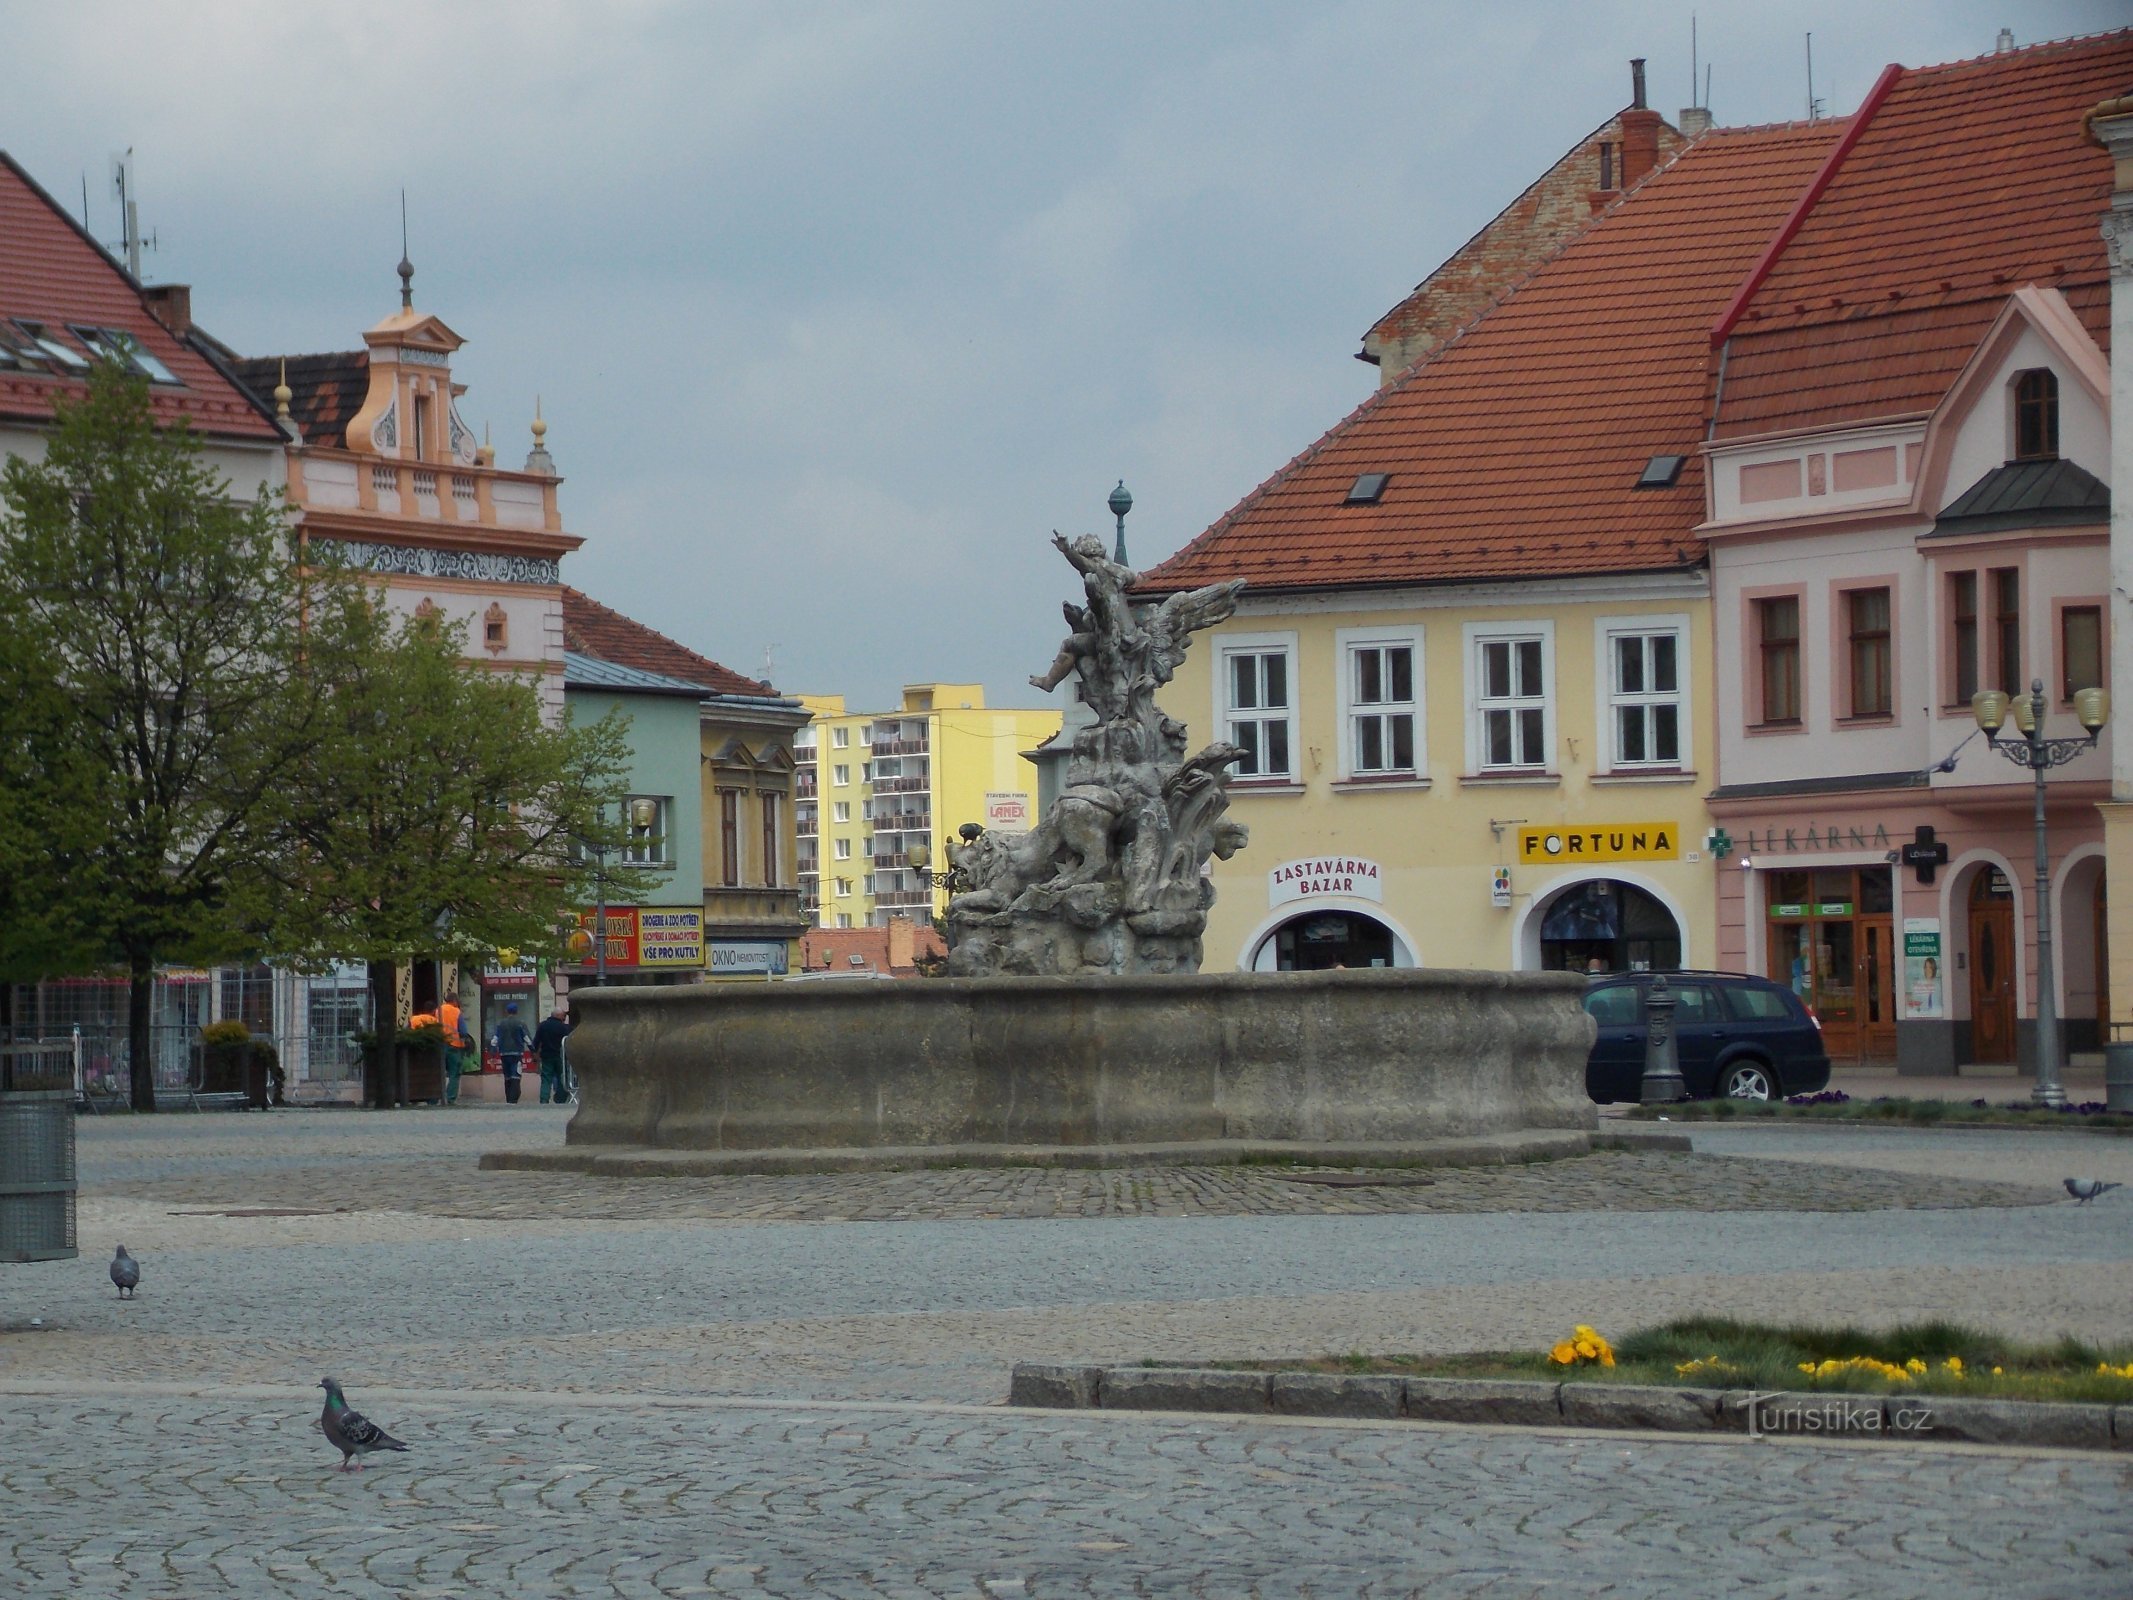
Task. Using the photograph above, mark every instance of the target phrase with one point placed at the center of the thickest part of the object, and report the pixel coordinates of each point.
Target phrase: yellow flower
(1564, 1354)
(1914, 1365)
(1953, 1366)
(1996, 1372)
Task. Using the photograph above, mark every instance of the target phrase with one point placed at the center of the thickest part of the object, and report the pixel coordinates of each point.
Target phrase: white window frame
(1605, 630)
(841, 850)
(841, 776)
(1473, 636)
(843, 887)
(1239, 644)
(1346, 641)
(655, 846)
(841, 738)
(840, 811)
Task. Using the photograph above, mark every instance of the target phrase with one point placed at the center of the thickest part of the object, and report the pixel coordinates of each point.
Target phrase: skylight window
(126, 349)
(1661, 472)
(64, 357)
(1368, 488)
(20, 353)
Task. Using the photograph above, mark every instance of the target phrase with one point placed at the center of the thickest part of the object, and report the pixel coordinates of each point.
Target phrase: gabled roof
(591, 629)
(2028, 494)
(53, 273)
(326, 391)
(1514, 450)
(1964, 182)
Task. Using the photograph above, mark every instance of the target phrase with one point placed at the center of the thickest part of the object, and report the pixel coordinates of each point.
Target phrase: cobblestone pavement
(151, 1496)
(548, 1342)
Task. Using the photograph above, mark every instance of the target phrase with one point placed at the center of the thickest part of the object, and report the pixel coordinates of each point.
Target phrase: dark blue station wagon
(1737, 1036)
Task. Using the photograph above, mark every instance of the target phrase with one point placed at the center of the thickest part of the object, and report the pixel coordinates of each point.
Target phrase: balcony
(899, 747)
(892, 862)
(904, 822)
(903, 785)
(731, 909)
(904, 897)
(803, 786)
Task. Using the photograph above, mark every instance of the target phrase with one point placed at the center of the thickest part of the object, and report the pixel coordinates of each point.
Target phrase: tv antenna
(124, 188)
(1814, 106)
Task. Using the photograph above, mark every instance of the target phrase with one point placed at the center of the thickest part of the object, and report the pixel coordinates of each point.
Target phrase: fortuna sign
(1605, 841)
(1327, 875)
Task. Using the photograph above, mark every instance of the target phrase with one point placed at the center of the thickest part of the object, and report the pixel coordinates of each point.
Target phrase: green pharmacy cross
(1719, 843)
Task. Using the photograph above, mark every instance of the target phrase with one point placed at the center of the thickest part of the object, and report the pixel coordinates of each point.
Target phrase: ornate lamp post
(2092, 708)
(1121, 502)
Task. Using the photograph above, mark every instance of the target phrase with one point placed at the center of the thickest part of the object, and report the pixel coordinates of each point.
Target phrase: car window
(1616, 1006)
(1751, 1004)
(1695, 1003)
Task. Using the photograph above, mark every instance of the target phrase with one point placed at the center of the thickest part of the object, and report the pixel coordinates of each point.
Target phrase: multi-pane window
(840, 774)
(729, 836)
(1777, 626)
(1644, 698)
(1257, 684)
(2007, 627)
(1867, 614)
(1381, 687)
(1962, 634)
(843, 849)
(648, 831)
(1512, 703)
(770, 841)
(840, 811)
(2036, 415)
(840, 738)
(116, 344)
(844, 892)
(2080, 650)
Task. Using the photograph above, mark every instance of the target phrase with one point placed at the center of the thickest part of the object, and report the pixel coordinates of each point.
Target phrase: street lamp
(1121, 502)
(2092, 708)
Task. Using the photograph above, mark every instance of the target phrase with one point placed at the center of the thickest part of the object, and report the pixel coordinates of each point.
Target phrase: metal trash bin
(2118, 1069)
(37, 1181)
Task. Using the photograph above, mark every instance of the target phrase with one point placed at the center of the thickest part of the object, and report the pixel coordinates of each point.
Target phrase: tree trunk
(379, 1073)
(140, 1047)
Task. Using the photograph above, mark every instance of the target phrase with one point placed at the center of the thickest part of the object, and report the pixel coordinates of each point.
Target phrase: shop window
(1867, 615)
(2080, 650)
(1258, 708)
(2036, 401)
(1644, 695)
(1777, 626)
(1962, 634)
(1510, 713)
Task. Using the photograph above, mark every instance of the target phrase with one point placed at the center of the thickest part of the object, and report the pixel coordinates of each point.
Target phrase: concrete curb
(1478, 1150)
(1507, 1402)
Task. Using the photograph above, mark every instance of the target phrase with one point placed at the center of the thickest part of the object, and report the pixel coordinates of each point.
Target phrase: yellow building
(1471, 672)
(879, 793)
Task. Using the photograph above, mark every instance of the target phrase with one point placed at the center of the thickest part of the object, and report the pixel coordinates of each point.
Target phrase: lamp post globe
(1120, 502)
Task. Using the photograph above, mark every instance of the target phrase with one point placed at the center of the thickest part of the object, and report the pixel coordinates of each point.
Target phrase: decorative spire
(407, 267)
(540, 461)
(486, 455)
(283, 394)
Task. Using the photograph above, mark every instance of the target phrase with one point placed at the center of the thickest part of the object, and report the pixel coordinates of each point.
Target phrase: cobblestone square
(794, 1386)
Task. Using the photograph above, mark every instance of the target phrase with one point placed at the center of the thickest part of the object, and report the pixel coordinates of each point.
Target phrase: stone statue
(1113, 879)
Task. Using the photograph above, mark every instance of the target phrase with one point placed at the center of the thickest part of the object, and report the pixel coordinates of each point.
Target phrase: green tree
(440, 815)
(156, 623)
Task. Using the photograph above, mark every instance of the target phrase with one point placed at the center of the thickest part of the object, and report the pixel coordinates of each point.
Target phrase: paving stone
(1504, 1401)
(1182, 1389)
(1330, 1394)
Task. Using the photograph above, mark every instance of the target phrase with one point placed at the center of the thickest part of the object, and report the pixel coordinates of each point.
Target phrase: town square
(1230, 800)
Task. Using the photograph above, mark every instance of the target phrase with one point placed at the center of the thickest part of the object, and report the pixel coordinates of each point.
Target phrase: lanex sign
(1344, 875)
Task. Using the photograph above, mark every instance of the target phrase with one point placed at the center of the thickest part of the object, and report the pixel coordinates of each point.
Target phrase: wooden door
(1992, 997)
(1877, 988)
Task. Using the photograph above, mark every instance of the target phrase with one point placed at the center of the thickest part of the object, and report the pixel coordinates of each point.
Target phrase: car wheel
(1747, 1080)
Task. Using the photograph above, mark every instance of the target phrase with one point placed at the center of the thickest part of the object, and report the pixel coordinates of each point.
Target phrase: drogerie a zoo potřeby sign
(1353, 876)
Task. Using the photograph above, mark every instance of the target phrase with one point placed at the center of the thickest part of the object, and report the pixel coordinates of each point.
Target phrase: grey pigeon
(2082, 1189)
(126, 1273)
(348, 1430)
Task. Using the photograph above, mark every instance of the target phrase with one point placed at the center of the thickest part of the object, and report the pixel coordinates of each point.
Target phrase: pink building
(1908, 501)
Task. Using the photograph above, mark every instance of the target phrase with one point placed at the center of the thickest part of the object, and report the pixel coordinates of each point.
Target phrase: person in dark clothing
(548, 1044)
(510, 1042)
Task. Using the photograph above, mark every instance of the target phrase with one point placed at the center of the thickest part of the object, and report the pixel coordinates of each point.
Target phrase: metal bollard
(1662, 1085)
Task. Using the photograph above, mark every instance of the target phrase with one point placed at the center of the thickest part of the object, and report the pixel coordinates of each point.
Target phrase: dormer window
(2036, 415)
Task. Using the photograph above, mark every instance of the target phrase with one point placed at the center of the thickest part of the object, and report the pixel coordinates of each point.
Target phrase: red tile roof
(53, 273)
(592, 629)
(325, 391)
(1513, 450)
(1965, 182)
(832, 949)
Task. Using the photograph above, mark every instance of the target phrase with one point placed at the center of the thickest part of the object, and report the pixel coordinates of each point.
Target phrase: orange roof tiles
(592, 629)
(1514, 449)
(325, 391)
(53, 273)
(1966, 182)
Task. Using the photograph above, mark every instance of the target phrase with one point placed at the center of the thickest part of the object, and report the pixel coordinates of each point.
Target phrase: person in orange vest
(456, 1047)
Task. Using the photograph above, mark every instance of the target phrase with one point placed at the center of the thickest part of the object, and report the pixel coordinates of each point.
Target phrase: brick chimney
(1640, 131)
(172, 305)
(902, 955)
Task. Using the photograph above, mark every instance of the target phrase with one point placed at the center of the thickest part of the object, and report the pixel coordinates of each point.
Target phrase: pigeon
(2082, 1189)
(348, 1430)
(126, 1273)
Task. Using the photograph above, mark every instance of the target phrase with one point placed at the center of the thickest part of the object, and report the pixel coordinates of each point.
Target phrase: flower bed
(1834, 1105)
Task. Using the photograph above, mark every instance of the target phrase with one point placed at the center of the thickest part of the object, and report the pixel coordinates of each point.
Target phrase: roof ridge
(2070, 42)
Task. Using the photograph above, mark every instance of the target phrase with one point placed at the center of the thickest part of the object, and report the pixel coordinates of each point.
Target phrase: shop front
(1327, 912)
(1909, 926)
(644, 945)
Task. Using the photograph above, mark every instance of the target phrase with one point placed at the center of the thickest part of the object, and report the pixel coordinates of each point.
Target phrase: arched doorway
(1992, 967)
(2084, 951)
(1317, 941)
(1606, 925)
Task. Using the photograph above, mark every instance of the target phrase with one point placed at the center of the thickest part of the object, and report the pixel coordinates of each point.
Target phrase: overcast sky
(836, 311)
